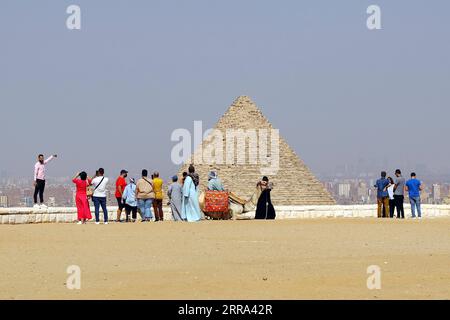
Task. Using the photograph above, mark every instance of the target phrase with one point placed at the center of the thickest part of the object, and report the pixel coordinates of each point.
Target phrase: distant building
(51, 202)
(3, 201)
(447, 200)
(425, 196)
(363, 192)
(329, 187)
(436, 193)
(28, 202)
(344, 190)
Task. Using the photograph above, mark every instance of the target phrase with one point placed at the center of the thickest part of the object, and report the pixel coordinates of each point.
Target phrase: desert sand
(285, 259)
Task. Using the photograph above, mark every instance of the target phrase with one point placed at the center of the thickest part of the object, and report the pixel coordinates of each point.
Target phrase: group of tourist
(143, 195)
(147, 193)
(391, 195)
(138, 196)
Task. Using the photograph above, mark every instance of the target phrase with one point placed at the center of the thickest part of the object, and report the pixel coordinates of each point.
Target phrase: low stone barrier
(69, 215)
(353, 211)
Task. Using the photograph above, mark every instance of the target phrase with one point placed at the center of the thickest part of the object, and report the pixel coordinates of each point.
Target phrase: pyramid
(294, 184)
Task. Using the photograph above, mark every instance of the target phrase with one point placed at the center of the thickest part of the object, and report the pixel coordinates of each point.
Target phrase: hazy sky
(111, 93)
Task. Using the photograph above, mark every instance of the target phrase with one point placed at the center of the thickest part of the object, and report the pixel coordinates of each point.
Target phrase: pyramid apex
(242, 101)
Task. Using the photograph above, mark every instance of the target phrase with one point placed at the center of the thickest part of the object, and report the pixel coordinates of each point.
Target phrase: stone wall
(353, 211)
(69, 215)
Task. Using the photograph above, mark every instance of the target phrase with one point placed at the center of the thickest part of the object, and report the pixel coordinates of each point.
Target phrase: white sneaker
(106, 223)
(97, 222)
(79, 222)
(43, 206)
(36, 206)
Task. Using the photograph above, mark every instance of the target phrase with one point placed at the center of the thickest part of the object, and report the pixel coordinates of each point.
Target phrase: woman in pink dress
(82, 181)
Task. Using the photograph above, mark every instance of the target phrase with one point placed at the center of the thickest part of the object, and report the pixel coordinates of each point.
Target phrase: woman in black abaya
(264, 208)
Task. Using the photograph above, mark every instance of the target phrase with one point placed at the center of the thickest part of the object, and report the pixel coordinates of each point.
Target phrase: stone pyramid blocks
(294, 184)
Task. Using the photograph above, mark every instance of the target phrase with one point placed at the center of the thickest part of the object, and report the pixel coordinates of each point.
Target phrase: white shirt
(39, 169)
(391, 192)
(100, 190)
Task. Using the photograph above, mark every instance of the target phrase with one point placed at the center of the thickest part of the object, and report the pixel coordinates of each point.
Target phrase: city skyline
(61, 192)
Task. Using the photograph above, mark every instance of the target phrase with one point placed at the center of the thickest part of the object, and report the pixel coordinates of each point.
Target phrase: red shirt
(81, 185)
(121, 182)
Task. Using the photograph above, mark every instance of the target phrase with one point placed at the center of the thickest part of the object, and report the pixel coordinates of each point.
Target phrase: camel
(239, 209)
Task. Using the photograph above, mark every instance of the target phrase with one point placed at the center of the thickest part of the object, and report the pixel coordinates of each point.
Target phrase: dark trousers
(133, 210)
(399, 205)
(100, 201)
(39, 189)
(158, 209)
(391, 208)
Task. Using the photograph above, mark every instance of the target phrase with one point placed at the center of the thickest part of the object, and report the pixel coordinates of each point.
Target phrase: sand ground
(286, 259)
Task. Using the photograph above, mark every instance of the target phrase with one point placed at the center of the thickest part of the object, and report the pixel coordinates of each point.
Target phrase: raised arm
(75, 176)
(50, 159)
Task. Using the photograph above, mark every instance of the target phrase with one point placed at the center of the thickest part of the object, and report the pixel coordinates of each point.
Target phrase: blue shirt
(381, 185)
(414, 187)
(129, 195)
(215, 185)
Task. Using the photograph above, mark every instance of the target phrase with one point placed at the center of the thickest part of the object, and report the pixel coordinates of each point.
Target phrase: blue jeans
(415, 202)
(97, 203)
(145, 206)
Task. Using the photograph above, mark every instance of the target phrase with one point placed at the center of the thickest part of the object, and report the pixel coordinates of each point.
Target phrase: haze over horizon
(111, 93)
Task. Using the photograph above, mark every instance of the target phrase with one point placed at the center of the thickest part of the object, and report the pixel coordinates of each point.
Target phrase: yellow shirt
(158, 188)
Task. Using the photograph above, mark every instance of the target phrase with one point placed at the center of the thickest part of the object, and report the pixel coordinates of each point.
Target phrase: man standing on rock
(39, 180)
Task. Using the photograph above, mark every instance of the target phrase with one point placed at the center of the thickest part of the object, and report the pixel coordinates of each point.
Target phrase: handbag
(89, 190)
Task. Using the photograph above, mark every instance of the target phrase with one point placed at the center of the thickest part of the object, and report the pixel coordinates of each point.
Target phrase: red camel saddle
(216, 201)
